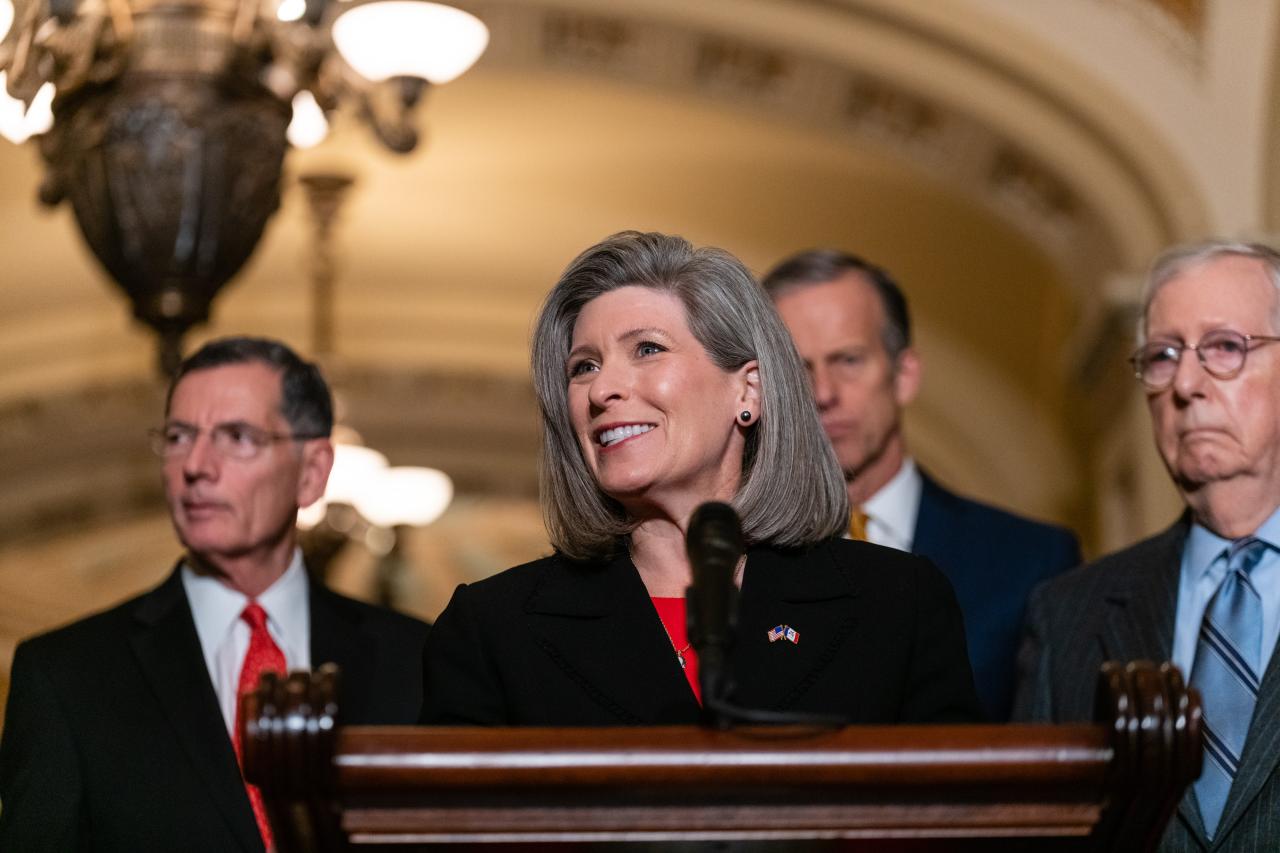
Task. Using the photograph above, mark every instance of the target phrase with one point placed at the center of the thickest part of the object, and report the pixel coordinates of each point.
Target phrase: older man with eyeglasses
(1206, 592)
(121, 729)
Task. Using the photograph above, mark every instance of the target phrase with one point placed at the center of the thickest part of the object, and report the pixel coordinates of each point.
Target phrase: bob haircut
(792, 493)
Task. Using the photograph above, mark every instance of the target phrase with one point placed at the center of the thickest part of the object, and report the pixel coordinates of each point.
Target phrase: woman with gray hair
(665, 379)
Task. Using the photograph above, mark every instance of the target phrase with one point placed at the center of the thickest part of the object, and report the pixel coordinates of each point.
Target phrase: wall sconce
(165, 122)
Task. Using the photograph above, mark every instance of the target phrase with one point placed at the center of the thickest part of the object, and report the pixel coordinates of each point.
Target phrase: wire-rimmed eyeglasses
(236, 440)
(1221, 352)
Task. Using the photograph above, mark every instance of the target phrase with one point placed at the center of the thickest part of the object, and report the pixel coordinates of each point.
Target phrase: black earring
(745, 417)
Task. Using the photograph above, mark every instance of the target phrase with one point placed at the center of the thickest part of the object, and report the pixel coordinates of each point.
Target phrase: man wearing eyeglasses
(121, 729)
(1205, 593)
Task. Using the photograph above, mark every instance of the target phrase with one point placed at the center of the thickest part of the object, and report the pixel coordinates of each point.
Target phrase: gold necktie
(858, 524)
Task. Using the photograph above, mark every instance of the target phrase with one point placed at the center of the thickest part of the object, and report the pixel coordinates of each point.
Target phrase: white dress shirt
(224, 636)
(892, 511)
(1204, 565)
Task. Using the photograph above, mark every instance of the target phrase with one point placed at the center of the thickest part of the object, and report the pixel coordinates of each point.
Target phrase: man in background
(851, 325)
(1205, 593)
(121, 729)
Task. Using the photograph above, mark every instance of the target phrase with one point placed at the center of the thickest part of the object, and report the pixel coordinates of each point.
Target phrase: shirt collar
(286, 604)
(1204, 547)
(216, 607)
(897, 504)
(1269, 530)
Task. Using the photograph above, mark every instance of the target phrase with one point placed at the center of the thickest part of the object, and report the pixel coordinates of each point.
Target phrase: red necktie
(262, 656)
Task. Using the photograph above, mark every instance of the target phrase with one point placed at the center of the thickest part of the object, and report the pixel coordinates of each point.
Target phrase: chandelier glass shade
(384, 40)
(171, 119)
(19, 121)
(384, 496)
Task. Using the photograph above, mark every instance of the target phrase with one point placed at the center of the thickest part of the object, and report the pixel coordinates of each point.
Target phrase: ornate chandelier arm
(69, 47)
(121, 20)
(246, 19)
(315, 12)
(81, 50)
(389, 108)
(20, 56)
(298, 53)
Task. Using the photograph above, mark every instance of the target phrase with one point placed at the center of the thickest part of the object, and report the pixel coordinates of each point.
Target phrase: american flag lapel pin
(784, 632)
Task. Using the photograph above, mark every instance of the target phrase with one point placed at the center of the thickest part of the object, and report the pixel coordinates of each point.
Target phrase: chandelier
(165, 122)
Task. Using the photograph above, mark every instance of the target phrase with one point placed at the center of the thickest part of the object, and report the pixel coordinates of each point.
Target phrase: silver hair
(1179, 259)
(792, 493)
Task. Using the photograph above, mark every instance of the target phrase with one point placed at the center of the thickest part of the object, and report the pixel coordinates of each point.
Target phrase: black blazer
(993, 559)
(562, 643)
(113, 740)
(1122, 607)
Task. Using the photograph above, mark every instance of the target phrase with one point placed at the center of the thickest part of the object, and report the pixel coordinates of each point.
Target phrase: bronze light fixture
(171, 120)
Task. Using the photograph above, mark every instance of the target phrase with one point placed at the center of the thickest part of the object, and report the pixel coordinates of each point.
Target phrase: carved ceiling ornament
(1178, 25)
(1188, 14)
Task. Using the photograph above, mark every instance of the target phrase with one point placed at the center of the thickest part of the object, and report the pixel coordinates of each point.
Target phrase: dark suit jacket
(1122, 607)
(113, 739)
(993, 560)
(562, 643)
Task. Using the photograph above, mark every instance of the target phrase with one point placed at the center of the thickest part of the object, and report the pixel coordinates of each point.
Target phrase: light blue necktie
(1226, 672)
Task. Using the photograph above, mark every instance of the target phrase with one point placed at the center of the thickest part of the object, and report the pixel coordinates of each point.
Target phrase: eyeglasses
(238, 441)
(1221, 353)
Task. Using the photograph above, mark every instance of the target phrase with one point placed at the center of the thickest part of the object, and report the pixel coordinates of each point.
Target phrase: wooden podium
(1109, 786)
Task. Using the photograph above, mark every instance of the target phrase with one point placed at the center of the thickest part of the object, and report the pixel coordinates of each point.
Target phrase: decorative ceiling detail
(1188, 14)
(1179, 25)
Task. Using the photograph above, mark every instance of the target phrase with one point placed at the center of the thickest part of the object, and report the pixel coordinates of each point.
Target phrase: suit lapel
(168, 651)
(1142, 604)
(596, 622)
(336, 637)
(813, 600)
(934, 536)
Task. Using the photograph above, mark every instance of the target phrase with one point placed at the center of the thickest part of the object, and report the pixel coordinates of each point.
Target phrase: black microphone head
(714, 540)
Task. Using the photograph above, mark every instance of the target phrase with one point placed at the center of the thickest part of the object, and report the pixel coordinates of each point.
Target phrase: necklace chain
(683, 661)
(684, 664)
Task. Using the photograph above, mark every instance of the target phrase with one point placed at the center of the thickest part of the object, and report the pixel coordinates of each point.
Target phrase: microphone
(714, 544)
